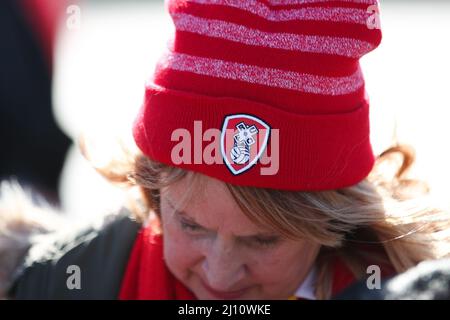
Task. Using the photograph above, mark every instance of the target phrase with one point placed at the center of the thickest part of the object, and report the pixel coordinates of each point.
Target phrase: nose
(223, 267)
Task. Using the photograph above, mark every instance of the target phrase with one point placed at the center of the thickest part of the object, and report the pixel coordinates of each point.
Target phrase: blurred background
(105, 50)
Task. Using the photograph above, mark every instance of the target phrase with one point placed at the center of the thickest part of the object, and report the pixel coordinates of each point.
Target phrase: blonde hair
(388, 214)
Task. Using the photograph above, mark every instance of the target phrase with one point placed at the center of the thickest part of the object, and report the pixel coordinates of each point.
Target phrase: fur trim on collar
(22, 221)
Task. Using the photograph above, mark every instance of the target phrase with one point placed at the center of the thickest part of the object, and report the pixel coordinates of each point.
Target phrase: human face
(218, 253)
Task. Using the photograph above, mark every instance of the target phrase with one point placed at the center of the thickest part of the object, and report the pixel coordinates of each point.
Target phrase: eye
(266, 242)
(263, 242)
(188, 226)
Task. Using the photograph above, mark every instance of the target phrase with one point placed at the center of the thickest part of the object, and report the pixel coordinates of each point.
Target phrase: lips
(225, 295)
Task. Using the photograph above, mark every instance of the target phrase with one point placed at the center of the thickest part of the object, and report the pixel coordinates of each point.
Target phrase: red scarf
(147, 277)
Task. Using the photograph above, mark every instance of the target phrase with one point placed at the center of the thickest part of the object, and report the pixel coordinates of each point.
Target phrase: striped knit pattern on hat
(293, 65)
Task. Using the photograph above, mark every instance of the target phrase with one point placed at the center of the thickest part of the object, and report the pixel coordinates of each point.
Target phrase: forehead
(210, 205)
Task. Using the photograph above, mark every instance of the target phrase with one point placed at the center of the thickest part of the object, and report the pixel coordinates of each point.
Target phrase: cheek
(268, 266)
(180, 253)
(282, 267)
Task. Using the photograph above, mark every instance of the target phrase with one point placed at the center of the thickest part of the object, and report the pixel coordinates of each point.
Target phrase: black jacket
(100, 253)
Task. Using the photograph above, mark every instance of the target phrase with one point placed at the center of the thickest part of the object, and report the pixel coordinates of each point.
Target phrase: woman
(255, 171)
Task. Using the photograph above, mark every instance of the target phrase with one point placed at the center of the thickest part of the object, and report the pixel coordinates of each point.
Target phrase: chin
(203, 293)
(196, 286)
(206, 296)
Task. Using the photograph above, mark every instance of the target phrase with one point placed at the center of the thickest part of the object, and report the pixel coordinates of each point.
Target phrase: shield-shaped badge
(244, 139)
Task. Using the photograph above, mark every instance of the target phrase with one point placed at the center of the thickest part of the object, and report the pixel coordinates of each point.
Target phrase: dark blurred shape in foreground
(33, 148)
(429, 280)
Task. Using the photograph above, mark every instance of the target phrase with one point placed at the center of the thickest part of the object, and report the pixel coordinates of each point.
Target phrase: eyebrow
(262, 235)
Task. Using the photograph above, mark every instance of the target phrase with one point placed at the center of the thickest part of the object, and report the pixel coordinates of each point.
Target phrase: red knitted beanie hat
(264, 93)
